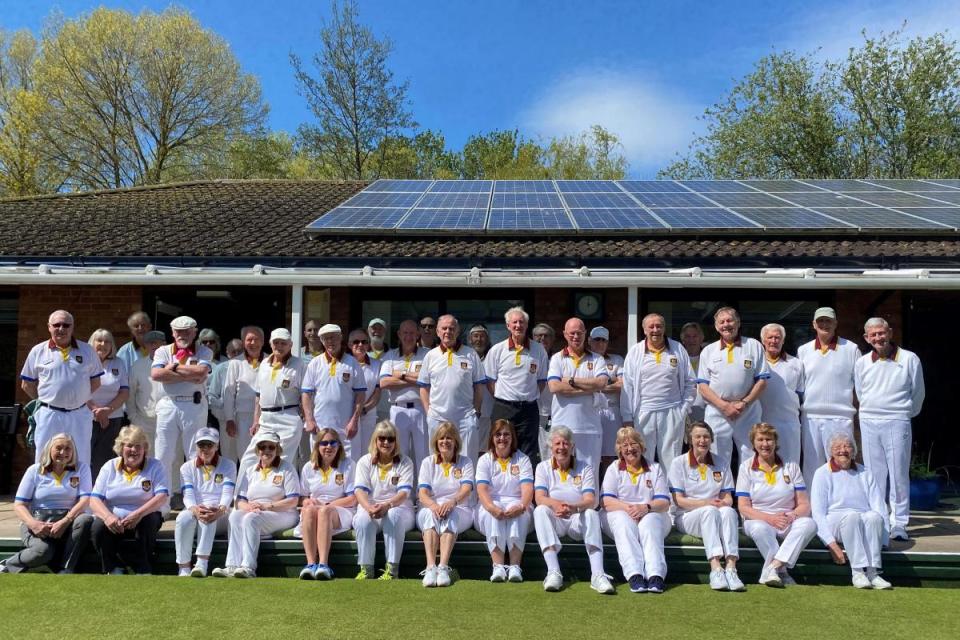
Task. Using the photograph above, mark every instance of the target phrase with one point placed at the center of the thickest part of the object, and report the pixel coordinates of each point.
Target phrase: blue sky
(644, 70)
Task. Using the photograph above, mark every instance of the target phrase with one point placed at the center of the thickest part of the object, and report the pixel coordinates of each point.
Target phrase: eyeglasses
(61, 325)
(328, 443)
(386, 439)
(266, 447)
(356, 342)
(208, 342)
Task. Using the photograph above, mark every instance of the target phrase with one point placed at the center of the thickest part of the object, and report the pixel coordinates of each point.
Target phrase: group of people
(459, 431)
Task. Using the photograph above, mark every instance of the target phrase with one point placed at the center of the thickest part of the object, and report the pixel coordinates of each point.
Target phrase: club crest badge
(649, 484)
(786, 478)
(395, 480)
(338, 479)
(114, 372)
(533, 367)
(748, 363)
(346, 376)
(717, 476)
(577, 480)
(416, 368)
(146, 485)
(79, 359)
(458, 473)
(278, 479)
(589, 366)
(74, 482)
(464, 366)
(514, 469)
(218, 478)
(673, 362)
(285, 384)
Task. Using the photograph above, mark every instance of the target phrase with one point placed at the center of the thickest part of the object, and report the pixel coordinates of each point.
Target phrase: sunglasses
(61, 325)
(386, 439)
(356, 342)
(328, 443)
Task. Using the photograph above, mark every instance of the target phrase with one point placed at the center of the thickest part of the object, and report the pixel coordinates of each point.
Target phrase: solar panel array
(475, 207)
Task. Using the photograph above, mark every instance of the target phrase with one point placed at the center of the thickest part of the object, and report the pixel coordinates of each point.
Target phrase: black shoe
(655, 584)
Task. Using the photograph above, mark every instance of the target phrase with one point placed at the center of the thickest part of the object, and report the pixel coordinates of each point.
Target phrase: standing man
(139, 324)
(546, 336)
(889, 383)
(576, 376)
(659, 387)
(62, 374)
(377, 332)
(182, 368)
(691, 336)
(313, 346)
(828, 400)
(399, 371)
(780, 401)
(516, 371)
(450, 382)
(215, 383)
(610, 419)
(480, 342)
(333, 392)
(145, 392)
(428, 332)
(239, 394)
(277, 402)
(733, 373)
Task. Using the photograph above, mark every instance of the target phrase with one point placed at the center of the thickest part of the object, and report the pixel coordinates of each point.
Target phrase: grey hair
(563, 432)
(875, 322)
(516, 310)
(653, 315)
(46, 453)
(137, 315)
(770, 327)
(251, 328)
(729, 310)
(103, 334)
(692, 325)
(60, 312)
(545, 327)
(840, 436)
(456, 322)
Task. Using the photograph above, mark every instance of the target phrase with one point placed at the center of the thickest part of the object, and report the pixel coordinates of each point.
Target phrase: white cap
(479, 327)
(183, 322)
(206, 434)
(265, 435)
(329, 328)
(825, 312)
(280, 334)
(379, 321)
(599, 332)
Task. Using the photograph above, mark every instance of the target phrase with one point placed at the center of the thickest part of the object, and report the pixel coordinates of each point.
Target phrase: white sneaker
(554, 581)
(3, 567)
(786, 578)
(718, 580)
(860, 580)
(224, 572)
(899, 533)
(601, 584)
(244, 572)
(733, 580)
(198, 571)
(770, 577)
(429, 576)
(876, 581)
(443, 576)
(513, 573)
(499, 573)
(183, 572)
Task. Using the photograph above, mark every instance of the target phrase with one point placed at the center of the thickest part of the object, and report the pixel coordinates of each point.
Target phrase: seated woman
(505, 492)
(383, 486)
(326, 487)
(849, 509)
(50, 504)
(267, 497)
(703, 498)
(444, 492)
(129, 500)
(209, 482)
(635, 504)
(566, 495)
(773, 502)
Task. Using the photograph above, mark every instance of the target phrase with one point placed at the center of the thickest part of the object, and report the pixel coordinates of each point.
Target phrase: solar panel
(407, 186)
(524, 186)
(947, 182)
(747, 200)
(650, 186)
(445, 219)
(382, 199)
(600, 201)
(715, 218)
(821, 199)
(528, 219)
(893, 199)
(778, 186)
(877, 218)
(911, 186)
(515, 200)
(346, 218)
(791, 218)
(685, 199)
(937, 198)
(462, 186)
(716, 186)
(588, 186)
(945, 216)
(845, 185)
(614, 219)
(453, 201)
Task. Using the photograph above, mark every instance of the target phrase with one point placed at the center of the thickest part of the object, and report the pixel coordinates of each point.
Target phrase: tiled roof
(258, 219)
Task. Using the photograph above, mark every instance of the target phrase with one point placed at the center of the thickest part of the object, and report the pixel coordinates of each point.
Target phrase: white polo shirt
(197, 354)
(113, 380)
(732, 370)
(772, 492)
(208, 485)
(647, 485)
(698, 481)
(123, 492)
(271, 484)
(780, 401)
(517, 369)
(383, 482)
(333, 382)
(371, 374)
(828, 377)
(889, 388)
(443, 480)
(278, 383)
(614, 365)
(62, 375)
(394, 362)
(578, 413)
(504, 477)
(565, 486)
(654, 381)
(336, 483)
(451, 375)
(49, 491)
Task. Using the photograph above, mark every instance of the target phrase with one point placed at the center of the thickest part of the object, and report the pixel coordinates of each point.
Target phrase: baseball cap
(154, 336)
(479, 327)
(825, 312)
(599, 333)
(183, 322)
(329, 328)
(379, 321)
(280, 334)
(207, 434)
(266, 436)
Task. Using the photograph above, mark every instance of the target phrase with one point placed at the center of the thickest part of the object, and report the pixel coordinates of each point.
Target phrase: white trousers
(188, 528)
(662, 432)
(467, 427)
(788, 443)
(588, 447)
(861, 535)
(503, 534)
(795, 538)
(77, 424)
(543, 438)
(716, 526)
(815, 432)
(246, 529)
(639, 544)
(177, 424)
(394, 525)
(233, 447)
(286, 424)
(149, 426)
(412, 427)
(610, 422)
(364, 432)
(886, 454)
(456, 522)
(727, 433)
(583, 527)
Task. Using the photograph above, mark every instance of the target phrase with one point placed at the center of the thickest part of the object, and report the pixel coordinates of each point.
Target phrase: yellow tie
(65, 353)
(264, 474)
(333, 368)
(519, 351)
(129, 475)
(634, 475)
(449, 357)
(406, 362)
(563, 474)
(276, 366)
(207, 470)
(729, 348)
(384, 470)
(503, 463)
(58, 477)
(657, 355)
(446, 469)
(325, 475)
(702, 468)
(771, 475)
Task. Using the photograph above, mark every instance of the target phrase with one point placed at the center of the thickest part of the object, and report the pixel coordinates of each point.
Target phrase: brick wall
(856, 307)
(555, 306)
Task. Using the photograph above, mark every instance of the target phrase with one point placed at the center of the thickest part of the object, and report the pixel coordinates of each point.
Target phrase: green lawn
(83, 606)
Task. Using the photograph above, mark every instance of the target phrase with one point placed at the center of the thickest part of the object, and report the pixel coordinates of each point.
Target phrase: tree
(354, 97)
(593, 155)
(130, 97)
(502, 155)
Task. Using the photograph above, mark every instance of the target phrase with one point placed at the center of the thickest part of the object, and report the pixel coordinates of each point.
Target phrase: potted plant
(924, 482)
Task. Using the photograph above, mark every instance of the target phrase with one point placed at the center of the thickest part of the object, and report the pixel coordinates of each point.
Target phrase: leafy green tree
(595, 154)
(502, 155)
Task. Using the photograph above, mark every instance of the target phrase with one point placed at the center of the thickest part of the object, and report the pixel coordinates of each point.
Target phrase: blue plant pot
(924, 494)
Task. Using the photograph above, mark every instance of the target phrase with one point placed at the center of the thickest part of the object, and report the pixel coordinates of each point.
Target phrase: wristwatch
(403, 376)
(572, 382)
(176, 365)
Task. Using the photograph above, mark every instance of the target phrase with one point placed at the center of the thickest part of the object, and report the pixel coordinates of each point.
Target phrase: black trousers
(101, 443)
(525, 417)
(138, 556)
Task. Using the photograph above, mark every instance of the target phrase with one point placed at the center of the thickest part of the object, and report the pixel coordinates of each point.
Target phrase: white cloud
(653, 122)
